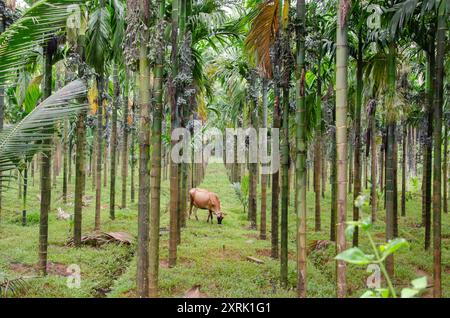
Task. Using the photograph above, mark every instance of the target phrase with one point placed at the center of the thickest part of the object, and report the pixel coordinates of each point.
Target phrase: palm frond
(25, 138)
(98, 39)
(403, 11)
(118, 28)
(262, 34)
(37, 25)
(11, 287)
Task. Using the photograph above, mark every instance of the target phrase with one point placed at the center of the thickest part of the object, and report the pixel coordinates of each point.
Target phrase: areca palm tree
(300, 163)
(37, 27)
(156, 155)
(341, 139)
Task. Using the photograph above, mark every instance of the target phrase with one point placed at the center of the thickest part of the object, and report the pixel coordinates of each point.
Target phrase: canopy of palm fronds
(25, 138)
(20, 43)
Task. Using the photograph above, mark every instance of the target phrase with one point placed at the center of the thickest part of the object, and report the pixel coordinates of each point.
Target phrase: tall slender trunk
(253, 166)
(182, 174)
(155, 184)
(391, 162)
(69, 160)
(445, 170)
(275, 182)
(25, 186)
(395, 166)
(404, 139)
(133, 151)
(125, 145)
(285, 76)
(429, 143)
(341, 140)
(144, 160)
(98, 172)
(80, 177)
(65, 153)
(357, 124)
(437, 136)
(284, 189)
(80, 159)
(317, 177)
(107, 143)
(46, 189)
(301, 152)
(373, 165)
(174, 114)
(113, 143)
(324, 168)
(333, 181)
(264, 177)
(351, 140)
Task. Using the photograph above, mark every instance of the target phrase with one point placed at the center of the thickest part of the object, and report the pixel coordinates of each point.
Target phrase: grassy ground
(211, 256)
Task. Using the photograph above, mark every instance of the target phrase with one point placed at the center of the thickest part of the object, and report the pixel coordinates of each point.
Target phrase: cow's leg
(190, 209)
(210, 216)
(195, 213)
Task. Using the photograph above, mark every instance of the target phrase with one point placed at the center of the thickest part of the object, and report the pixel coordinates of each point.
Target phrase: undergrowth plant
(377, 256)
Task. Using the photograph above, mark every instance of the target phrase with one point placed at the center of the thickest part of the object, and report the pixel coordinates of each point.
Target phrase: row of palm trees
(176, 52)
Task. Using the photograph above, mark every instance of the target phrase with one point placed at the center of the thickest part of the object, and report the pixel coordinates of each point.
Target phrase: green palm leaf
(25, 138)
(19, 44)
(98, 39)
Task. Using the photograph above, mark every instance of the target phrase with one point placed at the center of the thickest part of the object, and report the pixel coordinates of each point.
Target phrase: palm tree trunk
(437, 136)
(253, 167)
(125, 145)
(69, 160)
(155, 187)
(429, 143)
(373, 165)
(333, 182)
(80, 169)
(133, 152)
(263, 221)
(174, 177)
(357, 124)
(285, 155)
(99, 154)
(275, 182)
(113, 142)
(341, 140)
(80, 177)
(317, 176)
(107, 144)
(405, 136)
(65, 153)
(144, 160)
(445, 170)
(391, 163)
(284, 189)
(395, 166)
(301, 152)
(46, 189)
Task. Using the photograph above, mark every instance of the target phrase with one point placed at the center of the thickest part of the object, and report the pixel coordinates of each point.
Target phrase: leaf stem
(383, 269)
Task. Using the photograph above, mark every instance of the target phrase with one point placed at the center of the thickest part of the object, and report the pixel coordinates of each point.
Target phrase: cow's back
(200, 198)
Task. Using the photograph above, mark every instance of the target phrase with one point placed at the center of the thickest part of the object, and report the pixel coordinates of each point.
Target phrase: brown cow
(206, 200)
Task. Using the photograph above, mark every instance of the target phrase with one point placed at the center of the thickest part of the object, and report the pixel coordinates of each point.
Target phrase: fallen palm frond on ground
(97, 239)
(11, 287)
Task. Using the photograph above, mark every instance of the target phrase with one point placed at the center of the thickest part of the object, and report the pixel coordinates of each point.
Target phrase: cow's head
(220, 216)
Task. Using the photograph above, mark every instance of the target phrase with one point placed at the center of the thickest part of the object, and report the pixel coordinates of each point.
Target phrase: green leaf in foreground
(354, 256)
(393, 246)
(420, 283)
(409, 292)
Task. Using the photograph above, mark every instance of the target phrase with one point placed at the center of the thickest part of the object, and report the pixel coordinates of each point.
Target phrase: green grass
(212, 256)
